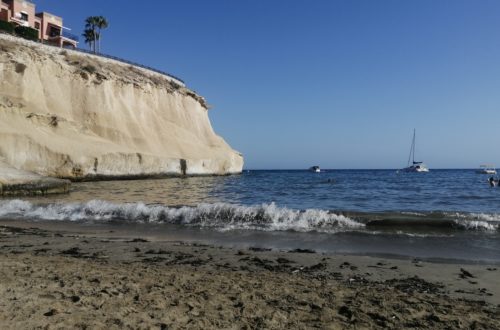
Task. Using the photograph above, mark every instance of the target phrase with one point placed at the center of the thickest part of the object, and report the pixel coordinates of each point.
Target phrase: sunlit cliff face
(78, 116)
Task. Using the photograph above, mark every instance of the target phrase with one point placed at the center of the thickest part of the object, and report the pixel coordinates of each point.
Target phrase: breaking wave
(267, 217)
(220, 216)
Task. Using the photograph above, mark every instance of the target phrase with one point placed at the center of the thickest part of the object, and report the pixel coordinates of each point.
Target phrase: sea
(442, 215)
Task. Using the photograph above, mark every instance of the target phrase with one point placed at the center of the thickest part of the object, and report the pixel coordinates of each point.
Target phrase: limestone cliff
(71, 115)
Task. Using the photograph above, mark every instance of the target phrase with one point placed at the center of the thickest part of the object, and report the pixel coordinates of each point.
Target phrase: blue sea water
(451, 214)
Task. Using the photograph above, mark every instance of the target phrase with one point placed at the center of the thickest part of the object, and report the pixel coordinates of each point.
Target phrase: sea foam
(222, 216)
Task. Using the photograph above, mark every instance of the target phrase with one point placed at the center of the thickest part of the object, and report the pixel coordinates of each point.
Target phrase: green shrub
(7, 27)
(26, 33)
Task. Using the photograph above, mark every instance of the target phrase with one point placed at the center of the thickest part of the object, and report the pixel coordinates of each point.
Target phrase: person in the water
(493, 182)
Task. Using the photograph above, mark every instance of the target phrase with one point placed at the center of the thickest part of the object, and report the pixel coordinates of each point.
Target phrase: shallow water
(441, 214)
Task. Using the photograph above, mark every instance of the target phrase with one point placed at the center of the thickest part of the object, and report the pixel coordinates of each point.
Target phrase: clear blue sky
(340, 84)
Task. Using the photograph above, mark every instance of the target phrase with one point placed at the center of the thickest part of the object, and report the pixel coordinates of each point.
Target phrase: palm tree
(89, 36)
(91, 25)
(101, 23)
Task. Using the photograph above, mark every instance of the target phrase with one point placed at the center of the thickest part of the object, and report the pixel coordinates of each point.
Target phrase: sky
(335, 83)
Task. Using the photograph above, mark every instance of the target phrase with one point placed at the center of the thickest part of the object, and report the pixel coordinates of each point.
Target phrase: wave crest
(267, 217)
(221, 216)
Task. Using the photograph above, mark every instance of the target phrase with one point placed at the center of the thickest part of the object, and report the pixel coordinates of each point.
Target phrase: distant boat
(416, 167)
(315, 169)
(486, 169)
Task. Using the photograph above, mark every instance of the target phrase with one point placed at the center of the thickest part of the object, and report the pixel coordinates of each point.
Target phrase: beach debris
(284, 261)
(259, 262)
(379, 319)
(138, 240)
(465, 274)
(345, 264)
(485, 291)
(51, 312)
(433, 318)
(415, 284)
(355, 279)
(38, 251)
(480, 292)
(302, 251)
(159, 251)
(74, 251)
(316, 267)
(346, 312)
(258, 249)
(154, 259)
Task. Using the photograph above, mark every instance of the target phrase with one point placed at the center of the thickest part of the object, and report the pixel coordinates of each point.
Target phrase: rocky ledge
(14, 182)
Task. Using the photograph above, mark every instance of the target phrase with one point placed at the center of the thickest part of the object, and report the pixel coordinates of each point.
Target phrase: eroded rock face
(14, 182)
(77, 116)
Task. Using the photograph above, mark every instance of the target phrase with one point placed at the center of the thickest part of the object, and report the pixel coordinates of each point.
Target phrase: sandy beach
(89, 279)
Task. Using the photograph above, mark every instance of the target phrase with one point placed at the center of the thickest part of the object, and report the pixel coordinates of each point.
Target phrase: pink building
(50, 27)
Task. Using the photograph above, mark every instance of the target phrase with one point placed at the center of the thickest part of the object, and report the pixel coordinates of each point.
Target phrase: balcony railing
(70, 36)
(20, 21)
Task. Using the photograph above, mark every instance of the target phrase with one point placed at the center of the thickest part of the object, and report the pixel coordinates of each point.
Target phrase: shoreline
(159, 233)
(77, 277)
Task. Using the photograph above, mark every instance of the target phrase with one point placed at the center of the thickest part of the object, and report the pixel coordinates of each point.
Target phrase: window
(37, 25)
(54, 31)
(24, 16)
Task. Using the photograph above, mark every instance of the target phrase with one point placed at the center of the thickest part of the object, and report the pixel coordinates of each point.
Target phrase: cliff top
(97, 69)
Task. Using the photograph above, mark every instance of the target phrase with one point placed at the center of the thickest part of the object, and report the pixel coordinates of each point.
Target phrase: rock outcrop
(70, 115)
(14, 182)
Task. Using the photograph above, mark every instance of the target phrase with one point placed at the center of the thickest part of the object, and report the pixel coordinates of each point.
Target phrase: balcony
(71, 36)
(20, 21)
(56, 32)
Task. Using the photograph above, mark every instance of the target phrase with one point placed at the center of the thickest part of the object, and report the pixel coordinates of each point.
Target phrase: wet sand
(86, 278)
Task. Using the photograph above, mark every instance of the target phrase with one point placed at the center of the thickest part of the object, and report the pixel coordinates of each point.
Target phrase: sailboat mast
(413, 146)
(412, 149)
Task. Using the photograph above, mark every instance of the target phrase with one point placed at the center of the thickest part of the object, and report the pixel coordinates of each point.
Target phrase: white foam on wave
(476, 225)
(490, 217)
(477, 221)
(414, 213)
(221, 216)
(487, 217)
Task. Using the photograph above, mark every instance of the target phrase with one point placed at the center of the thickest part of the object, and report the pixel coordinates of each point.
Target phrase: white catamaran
(414, 166)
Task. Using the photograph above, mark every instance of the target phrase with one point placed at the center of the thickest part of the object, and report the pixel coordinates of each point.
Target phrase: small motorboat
(314, 169)
(487, 169)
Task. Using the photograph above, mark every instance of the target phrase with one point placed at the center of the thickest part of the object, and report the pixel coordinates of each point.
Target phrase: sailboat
(414, 166)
